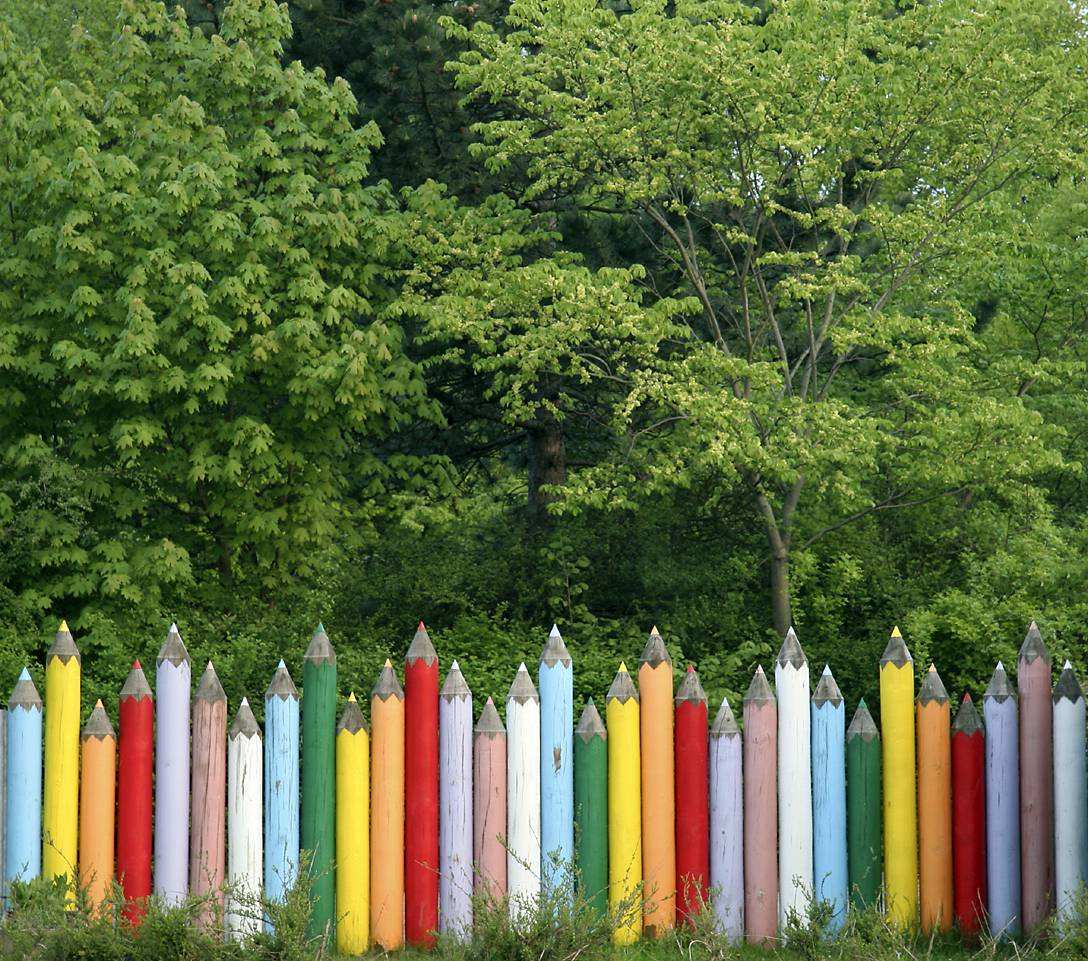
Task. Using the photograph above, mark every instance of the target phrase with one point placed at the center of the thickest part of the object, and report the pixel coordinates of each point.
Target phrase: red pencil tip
(967, 695)
(421, 627)
(136, 665)
(691, 668)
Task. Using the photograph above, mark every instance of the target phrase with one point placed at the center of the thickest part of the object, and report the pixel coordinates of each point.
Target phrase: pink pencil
(489, 804)
(760, 811)
(207, 838)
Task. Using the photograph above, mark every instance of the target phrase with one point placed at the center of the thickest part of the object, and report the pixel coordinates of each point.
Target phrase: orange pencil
(934, 805)
(387, 811)
(658, 797)
(96, 807)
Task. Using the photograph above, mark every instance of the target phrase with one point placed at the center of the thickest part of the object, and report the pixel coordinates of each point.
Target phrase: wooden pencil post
(760, 812)
(489, 805)
(421, 791)
(317, 828)
(523, 796)
(23, 818)
(455, 803)
(60, 814)
(387, 811)
(934, 805)
(135, 768)
(791, 682)
(999, 709)
(208, 828)
(692, 798)
(352, 831)
(245, 848)
(1070, 795)
(726, 775)
(830, 870)
(1036, 782)
(900, 800)
(281, 786)
(865, 836)
(591, 808)
(3, 806)
(658, 787)
(556, 684)
(96, 807)
(969, 820)
(173, 689)
(624, 809)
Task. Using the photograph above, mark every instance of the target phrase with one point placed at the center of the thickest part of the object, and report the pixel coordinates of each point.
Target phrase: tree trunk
(781, 606)
(547, 463)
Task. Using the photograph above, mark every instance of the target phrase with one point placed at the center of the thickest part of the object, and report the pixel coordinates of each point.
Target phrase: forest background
(705, 314)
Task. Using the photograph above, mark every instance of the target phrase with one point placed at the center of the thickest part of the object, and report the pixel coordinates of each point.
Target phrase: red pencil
(968, 820)
(134, 767)
(692, 797)
(421, 791)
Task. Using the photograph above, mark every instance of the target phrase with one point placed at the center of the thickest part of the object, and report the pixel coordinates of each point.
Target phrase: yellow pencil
(352, 831)
(624, 809)
(900, 801)
(60, 807)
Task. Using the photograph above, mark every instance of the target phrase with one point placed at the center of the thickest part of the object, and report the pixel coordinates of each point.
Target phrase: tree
(198, 367)
(813, 176)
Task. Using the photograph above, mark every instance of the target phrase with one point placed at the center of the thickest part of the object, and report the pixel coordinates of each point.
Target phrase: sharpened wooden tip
(523, 689)
(136, 685)
(590, 724)
(790, 652)
(388, 684)
(98, 725)
(1033, 647)
(623, 688)
(655, 652)
(63, 646)
(967, 720)
(555, 651)
(281, 685)
(421, 648)
(690, 688)
(24, 694)
(319, 650)
(351, 720)
(896, 652)
(759, 691)
(827, 690)
(244, 724)
(1000, 688)
(932, 689)
(490, 723)
(725, 724)
(455, 685)
(1068, 686)
(862, 724)
(173, 648)
(209, 688)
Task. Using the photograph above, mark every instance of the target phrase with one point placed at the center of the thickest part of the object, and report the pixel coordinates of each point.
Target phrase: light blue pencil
(830, 877)
(556, 765)
(24, 784)
(281, 759)
(173, 694)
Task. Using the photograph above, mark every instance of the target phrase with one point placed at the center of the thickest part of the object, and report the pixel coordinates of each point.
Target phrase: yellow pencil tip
(98, 703)
(388, 663)
(623, 666)
(63, 626)
(895, 632)
(351, 697)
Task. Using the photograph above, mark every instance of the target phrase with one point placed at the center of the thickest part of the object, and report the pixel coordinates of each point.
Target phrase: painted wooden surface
(900, 799)
(691, 736)
(655, 692)
(1070, 795)
(591, 808)
(245, 848)
(281, 785)
(830, 878)
(760, 811)
(23, 817)
(726, 774)
(556, 685)
(317, 825)
(1002, 720)
(173, 689)
(3, 804)
(60, 800)
(352, 831)
(1036, 782)
(98, 763)
(624, 809)
(421, 879)
(864, 827)
(523, 796)
(934, 722)
(489, 805)
(969, 819)
(455, 806)
(791, 682)
(387, 811)
(208, 826)
(135, 769)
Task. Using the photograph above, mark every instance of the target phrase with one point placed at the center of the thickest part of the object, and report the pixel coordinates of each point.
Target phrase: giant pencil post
(23, 817)
(523, 796)
(173, 687)
(726, 763)
(556, 677)
(135, 769)
(900, 801)
(1070, 796)
(60, 813)
(969, 819)
(97, 807)
(489, 805)
(658, 787)
(208, 827)
(692, 797)
(865, 841)
(421, 790)
(455, 805)
(317, 829)
(1036, 782)
(760, 811)
(387, 811)
(245, 850)
(934, 805)
(352, 831)
(624, 809)
(1002, 720)
(829, 862)
(591, 809)
(791, 682)
(281, 785)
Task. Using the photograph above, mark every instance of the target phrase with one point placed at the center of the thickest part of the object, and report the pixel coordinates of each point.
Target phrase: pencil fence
(656, 813)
